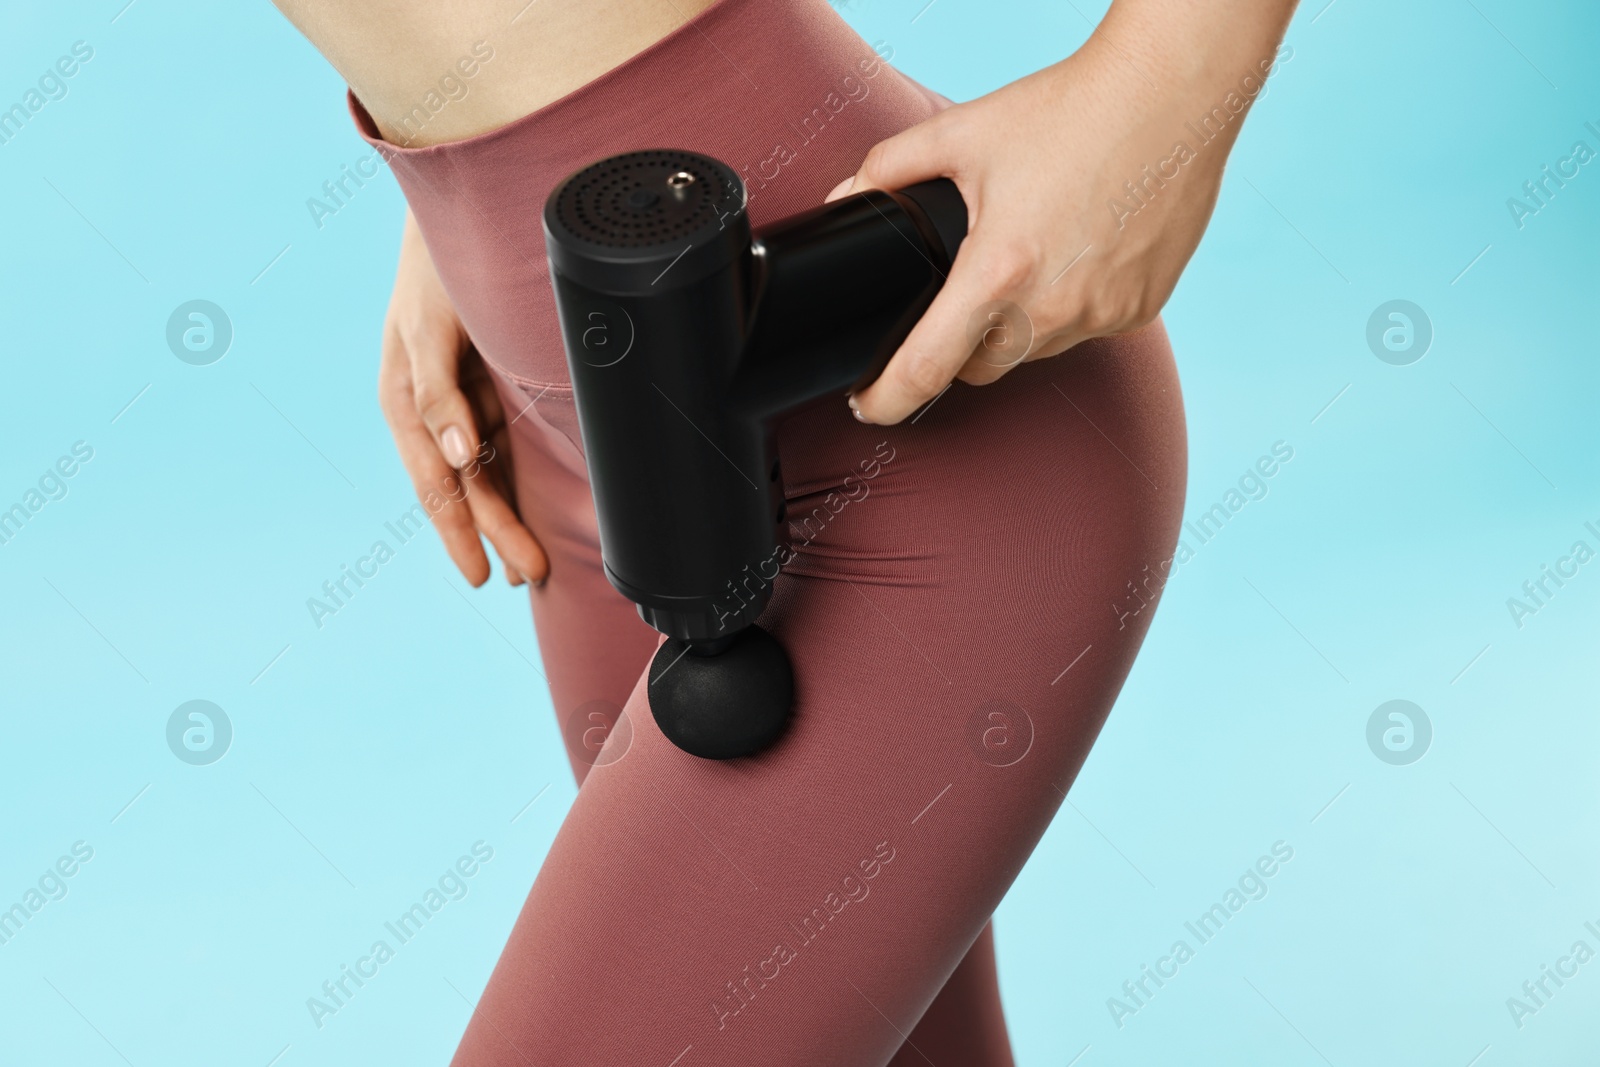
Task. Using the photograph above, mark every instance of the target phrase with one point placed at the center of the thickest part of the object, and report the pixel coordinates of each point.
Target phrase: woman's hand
(1088, 186)
(448, 424)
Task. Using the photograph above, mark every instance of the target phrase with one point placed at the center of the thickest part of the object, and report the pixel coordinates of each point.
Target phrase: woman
(959, 631)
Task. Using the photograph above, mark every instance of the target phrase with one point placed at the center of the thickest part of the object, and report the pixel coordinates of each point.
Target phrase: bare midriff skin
(394, 53)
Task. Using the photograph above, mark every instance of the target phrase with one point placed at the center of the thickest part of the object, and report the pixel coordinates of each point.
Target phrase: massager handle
(837, 288)
(945, 209)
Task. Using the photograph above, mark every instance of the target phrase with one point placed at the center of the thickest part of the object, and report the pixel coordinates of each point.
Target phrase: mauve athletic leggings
(969, 594)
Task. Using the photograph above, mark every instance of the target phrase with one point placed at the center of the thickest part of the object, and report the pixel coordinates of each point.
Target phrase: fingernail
(454, 443)
(840, 189)
(856, 410)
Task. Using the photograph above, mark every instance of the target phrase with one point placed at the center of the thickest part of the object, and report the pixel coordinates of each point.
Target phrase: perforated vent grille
(643, 199)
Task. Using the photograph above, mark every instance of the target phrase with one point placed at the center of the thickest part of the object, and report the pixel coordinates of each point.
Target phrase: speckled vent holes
(643, 199)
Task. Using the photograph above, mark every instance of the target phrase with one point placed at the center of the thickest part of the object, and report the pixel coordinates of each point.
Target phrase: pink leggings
(970, 592)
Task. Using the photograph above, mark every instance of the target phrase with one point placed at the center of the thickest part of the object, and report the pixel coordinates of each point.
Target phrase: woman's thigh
(592, 642)
(960, 617)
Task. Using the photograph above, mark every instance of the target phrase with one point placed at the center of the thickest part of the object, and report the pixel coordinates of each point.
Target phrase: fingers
(461, 499)
(436, 483)
(910, 156)
(423, 385)
(424, 320)
(495, 519)
(434, 344)
(940, 344)
(465, 505)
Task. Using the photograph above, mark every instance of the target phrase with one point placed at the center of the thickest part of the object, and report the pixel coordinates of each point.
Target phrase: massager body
(687, 336)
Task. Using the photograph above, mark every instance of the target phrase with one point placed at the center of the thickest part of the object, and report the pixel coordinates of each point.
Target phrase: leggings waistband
(783, 91)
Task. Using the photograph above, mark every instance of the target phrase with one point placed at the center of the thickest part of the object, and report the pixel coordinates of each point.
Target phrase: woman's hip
(1058, 482)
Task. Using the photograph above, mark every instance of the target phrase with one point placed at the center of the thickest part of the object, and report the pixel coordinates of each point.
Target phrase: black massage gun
(687, 336)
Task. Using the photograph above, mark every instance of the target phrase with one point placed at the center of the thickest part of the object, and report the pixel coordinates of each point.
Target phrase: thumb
(910, 156)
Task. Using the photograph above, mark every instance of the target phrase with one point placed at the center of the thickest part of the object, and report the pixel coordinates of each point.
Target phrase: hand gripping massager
(687, 336)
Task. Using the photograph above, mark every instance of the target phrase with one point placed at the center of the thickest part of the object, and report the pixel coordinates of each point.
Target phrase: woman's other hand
(448, 424)
(1088, 186)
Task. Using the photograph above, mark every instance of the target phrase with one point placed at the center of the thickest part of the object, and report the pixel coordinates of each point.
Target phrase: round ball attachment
(732, 704)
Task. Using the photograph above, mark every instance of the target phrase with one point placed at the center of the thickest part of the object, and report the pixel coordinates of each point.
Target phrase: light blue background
(369, 755)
